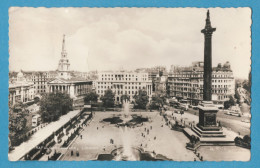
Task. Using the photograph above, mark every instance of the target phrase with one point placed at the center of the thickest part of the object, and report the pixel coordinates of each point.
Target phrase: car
(245, 120)
(195, 107)
(177, 111)
(234, 113)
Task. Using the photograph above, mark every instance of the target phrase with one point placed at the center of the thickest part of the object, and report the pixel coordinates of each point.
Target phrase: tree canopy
(108, 98)
(157, 101)
(125, 97)
(91, 96)
(141, 99)
(230, 102)
(18, 115)
(54, 105)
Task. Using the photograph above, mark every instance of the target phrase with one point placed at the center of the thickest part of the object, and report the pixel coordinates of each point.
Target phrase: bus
(36, 120)
(184, 105)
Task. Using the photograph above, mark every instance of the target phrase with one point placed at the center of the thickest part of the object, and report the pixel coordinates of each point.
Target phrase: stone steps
(209, 141)
(207, 131)
(201, 133)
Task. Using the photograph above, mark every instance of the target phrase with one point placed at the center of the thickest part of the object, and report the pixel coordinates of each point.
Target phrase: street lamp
(91, 107)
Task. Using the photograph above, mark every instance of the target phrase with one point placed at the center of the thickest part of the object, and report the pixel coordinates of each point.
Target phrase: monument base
(208, 126)
(207, 130)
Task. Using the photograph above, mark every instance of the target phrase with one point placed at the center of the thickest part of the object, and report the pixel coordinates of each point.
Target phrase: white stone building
(20, 90)
(123, 83)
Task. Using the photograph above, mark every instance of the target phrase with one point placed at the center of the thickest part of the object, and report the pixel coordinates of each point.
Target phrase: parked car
(245, 120)
(177, 111)
(234, 113)
(184, 106)
(195, 107)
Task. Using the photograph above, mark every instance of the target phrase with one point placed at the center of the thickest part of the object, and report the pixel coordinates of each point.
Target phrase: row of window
(121, 87)
(200, 75)
(119, 92)
(122, 79)
(121, 75)
(127, 83)
(188, 85)
(200, 80)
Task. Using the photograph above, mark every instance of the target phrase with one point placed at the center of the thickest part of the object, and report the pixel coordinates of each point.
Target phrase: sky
(127, 38)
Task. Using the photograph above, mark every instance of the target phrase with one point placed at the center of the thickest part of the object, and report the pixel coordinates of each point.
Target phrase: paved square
(96, 138)
(169, 143)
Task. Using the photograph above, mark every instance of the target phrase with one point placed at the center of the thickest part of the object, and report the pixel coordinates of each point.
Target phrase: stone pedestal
(207, 126)
(207, 116)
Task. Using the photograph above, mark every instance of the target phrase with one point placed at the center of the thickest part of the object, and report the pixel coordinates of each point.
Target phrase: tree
(141, 99)
(157, 101)
(91, 96)
(108, 98)
(247, 139)
(237, 96)
(230, 102)
(17, 123)
(247, 83)
(54, 105)
(125, 97)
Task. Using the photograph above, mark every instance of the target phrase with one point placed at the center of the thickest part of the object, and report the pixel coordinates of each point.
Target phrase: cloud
(129, 38)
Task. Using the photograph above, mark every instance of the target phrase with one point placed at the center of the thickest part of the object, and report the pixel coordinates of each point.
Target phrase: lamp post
(90, 106)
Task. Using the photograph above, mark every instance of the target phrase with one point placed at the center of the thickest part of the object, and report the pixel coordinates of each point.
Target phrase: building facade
(123, 83)
(40, 80)
(187, 82)
(20, 90)
(74, 87)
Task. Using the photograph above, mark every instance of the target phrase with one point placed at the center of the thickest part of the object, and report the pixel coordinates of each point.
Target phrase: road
(232, 122)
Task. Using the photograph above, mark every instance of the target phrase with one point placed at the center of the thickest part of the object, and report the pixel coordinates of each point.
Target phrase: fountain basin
(137, 154)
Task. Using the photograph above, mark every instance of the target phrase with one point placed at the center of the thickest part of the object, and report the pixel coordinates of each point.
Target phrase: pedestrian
(97, 128)
(71, 153)
(81, 136)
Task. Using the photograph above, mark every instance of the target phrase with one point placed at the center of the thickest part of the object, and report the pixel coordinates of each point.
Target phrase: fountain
(126, 115)
(128, 152)
(125, 118)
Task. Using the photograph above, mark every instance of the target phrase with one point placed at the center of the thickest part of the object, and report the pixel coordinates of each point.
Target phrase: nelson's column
(207, 110)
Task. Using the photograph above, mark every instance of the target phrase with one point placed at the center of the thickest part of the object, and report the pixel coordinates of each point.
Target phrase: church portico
(73, 88)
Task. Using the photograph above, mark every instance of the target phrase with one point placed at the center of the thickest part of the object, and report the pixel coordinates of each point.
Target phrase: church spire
(64, 65)
(63, 51)
(63, 43)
